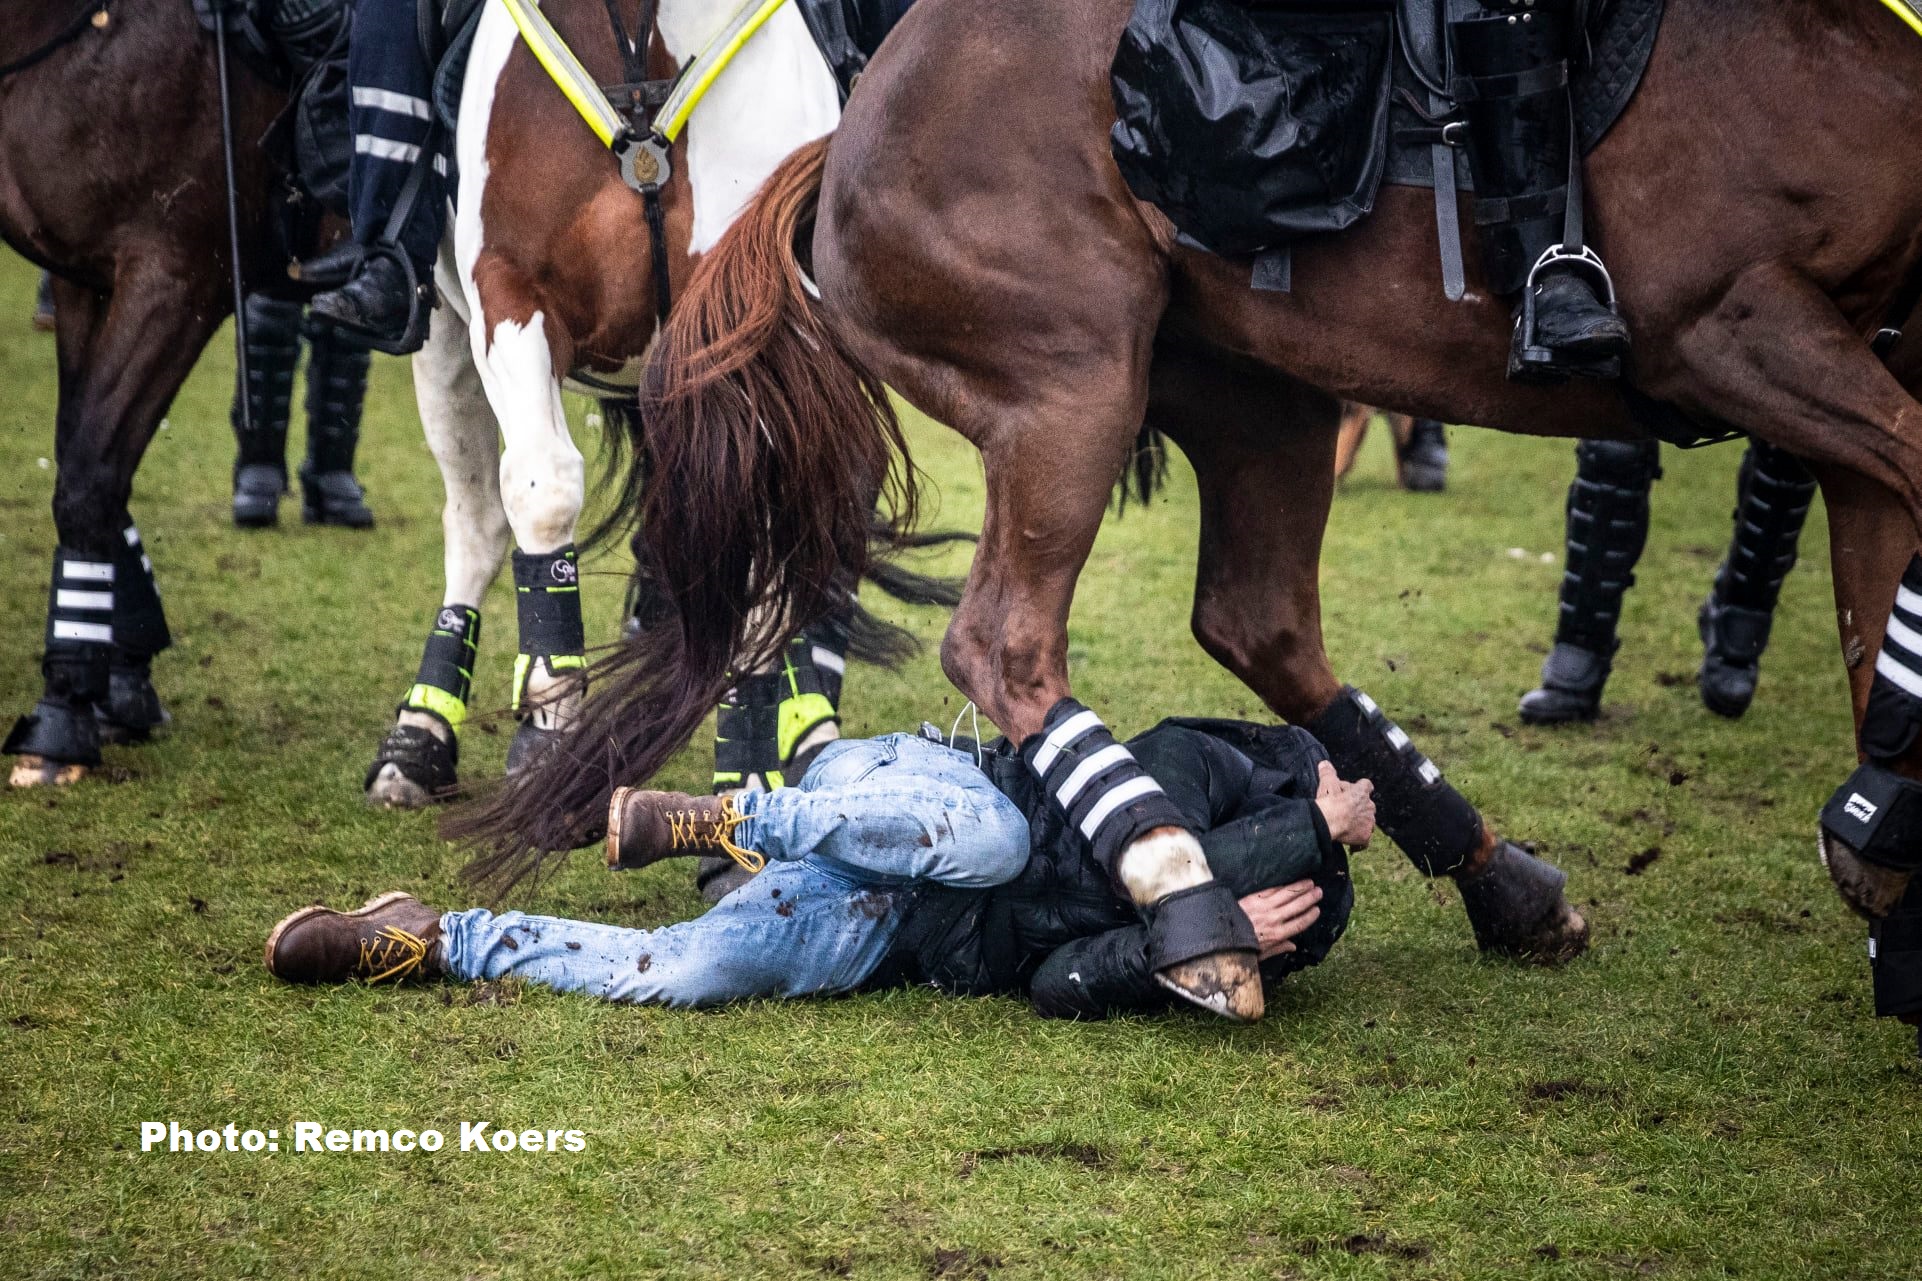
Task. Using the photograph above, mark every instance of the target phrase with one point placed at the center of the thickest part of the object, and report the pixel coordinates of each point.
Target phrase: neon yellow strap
(431, 698)
(1908, 11)
(524, 667)
(701, 73)
(566, 71)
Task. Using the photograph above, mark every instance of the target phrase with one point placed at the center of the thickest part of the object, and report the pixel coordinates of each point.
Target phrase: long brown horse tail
(769, 446)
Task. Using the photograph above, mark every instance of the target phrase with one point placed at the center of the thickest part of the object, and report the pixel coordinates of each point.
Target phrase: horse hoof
(393, 790)
(1516, 908)
(38, 771)
(413, 769)
(1870, 890)
(529, 741)
(1224, 983)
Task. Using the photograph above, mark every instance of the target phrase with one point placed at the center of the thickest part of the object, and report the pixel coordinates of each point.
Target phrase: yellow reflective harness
(644, 160)
(1910, 11)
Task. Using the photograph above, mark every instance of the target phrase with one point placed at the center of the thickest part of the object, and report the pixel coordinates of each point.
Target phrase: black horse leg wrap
(1895, 956)
(823, 646)
(1198, 921)
(1878, 814)
(747, 733)
(1894, 715)
(1097, 782)
(1434, 825)
(139, 622)
(547, 592)
(80, 611)
(446, 676)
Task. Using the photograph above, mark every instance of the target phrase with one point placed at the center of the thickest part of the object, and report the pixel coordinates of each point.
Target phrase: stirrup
(421, 301)
(1529, 360)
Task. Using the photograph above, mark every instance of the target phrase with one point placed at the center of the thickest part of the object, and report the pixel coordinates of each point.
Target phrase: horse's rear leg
(1049, 472)
(1263, 450)
(417, 761)
(122, 358)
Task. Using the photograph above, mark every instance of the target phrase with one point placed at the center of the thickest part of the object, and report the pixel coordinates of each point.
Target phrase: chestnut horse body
(975, 248)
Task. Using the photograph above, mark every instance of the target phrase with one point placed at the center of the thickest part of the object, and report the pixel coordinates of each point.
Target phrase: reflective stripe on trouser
(391, 113)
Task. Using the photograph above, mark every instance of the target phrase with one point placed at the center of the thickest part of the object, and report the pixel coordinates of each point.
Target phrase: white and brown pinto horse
(546, 273)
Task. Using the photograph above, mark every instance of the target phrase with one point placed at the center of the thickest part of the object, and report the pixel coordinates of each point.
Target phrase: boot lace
(392, 953)
(694, 829)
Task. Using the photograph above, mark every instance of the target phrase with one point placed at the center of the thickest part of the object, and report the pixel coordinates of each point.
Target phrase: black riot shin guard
(1606, 531)
(336, 388)
(273, 354)
(547, 593)
(1772, 502)
(1097, 783)
(79, 649)
(1434, 825)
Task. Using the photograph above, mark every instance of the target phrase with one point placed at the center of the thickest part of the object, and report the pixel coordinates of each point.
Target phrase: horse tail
(771, 447)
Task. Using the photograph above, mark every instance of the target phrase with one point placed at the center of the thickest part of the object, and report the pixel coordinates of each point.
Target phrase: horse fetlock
(1163, 862)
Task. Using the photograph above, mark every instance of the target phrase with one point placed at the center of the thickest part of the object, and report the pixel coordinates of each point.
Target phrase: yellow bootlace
(392, 953)
(687, 828)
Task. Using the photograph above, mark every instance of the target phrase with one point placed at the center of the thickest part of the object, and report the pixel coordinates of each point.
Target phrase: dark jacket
(1063, 933)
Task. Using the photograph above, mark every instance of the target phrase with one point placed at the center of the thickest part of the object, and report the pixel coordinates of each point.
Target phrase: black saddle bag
(323, 140)
(1251, 125)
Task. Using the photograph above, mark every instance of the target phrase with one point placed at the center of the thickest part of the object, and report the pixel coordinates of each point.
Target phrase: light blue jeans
(845, 849)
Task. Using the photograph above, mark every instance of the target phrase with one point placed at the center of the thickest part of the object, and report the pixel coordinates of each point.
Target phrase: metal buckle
(1884, 341)
(644, 162)
(1587, 260)
(1455, 133)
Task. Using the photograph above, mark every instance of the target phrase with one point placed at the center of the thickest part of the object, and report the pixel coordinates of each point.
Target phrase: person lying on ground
(898, 860)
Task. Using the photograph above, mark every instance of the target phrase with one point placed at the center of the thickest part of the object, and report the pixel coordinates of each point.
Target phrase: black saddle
(1253, 125)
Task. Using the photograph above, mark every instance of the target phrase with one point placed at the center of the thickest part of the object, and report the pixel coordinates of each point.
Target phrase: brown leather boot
(389, 938)
(645, 827)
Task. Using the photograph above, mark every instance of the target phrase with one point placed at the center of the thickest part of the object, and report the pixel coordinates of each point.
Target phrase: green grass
(1704, 1094)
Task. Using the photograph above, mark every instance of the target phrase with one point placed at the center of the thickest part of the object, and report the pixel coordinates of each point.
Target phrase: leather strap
(1448, 222)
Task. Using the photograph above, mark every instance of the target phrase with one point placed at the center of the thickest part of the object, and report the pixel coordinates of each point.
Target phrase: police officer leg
(260, 464)
(1772, 502)
(1607, 526)
(336, 388)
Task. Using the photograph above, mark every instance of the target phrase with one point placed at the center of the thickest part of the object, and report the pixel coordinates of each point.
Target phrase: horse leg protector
(132, 710)
(1113, 802)
(1515, 905)
(61, 728)
(1895, 957)
(1607, 528)
(1433, 823)
(336, 388)
(547, 593)
(1772, 502)
(441, 689)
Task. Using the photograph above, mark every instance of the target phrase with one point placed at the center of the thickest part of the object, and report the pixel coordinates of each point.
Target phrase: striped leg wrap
(446, 675)
(139, 623)
(1894, 715)
(1434, 825)
(764, 718)
(1097, 782)
(80, 609)
(547, 593)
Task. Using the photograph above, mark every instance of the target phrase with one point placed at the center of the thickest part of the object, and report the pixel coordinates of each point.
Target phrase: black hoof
(412, 770)
(133, 711)
(56, 743)
(1516, 908)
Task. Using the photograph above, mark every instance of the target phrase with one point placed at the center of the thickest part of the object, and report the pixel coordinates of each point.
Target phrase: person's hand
(1349, 808)
(1281, 913)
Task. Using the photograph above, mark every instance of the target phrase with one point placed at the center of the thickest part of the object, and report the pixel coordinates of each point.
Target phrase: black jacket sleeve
(1093, 977)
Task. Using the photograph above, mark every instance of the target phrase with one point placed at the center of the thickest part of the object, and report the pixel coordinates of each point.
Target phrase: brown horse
(132, 220)
(976, 249)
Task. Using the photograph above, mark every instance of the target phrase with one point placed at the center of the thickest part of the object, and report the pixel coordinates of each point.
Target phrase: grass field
(1705, 1094)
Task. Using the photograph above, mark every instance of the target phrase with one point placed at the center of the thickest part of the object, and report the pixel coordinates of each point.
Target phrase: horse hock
(1514, 900)
(551, 666)
(1202, 947)
(418, 761)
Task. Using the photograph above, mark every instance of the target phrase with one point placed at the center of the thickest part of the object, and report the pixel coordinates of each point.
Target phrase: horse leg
(542, 487)
(1266, 482)
(122, 356)
(418, 760)
(1049, 472)
(1349, 436)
